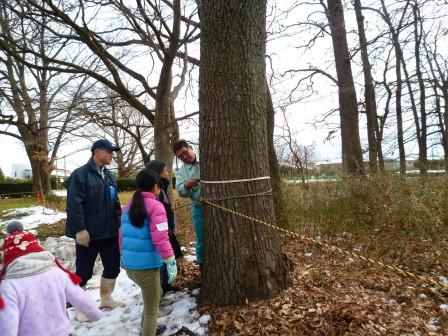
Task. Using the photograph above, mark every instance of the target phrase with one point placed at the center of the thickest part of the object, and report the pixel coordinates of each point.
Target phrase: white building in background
(20, 171)
(23, 171)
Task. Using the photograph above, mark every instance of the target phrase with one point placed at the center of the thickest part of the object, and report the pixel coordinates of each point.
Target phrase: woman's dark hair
(145, 180)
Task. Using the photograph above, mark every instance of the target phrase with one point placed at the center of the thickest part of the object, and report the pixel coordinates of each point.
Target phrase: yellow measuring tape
(335, 248)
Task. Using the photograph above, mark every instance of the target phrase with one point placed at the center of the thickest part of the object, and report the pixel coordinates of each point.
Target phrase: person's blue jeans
(198, 224)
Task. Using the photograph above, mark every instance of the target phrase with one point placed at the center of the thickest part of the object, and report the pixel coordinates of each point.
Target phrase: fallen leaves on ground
(332, 294)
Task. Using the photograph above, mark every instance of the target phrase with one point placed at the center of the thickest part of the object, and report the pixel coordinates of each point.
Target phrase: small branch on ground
(185, 330)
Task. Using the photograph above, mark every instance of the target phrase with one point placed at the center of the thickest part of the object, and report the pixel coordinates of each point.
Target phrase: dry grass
(403, 222)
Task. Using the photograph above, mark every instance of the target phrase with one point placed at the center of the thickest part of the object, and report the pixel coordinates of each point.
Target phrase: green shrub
(62, 182)
(126, 184)
(16, 188)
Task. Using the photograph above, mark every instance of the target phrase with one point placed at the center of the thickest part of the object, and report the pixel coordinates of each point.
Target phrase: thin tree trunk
(395, 31)
(423, 150)
(399, 113)
(243, 259)
(276, 181)
(445, 118)
(369, 93)
(352, 161)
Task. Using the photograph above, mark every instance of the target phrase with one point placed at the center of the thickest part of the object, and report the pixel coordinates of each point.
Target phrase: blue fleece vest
(138, 250)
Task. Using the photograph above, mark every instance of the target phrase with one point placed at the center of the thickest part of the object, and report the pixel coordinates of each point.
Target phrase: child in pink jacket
(35, 289)
(145, 247)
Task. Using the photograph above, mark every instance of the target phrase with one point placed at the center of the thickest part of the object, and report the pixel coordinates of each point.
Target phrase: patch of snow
(32, 217)
(61, 193)
(308, 254)
(432, 324)
(190, 254)
(177, 309)
(443, 280)
(444, 307)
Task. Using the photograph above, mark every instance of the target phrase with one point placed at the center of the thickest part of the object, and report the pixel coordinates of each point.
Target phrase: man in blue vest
(93, 219)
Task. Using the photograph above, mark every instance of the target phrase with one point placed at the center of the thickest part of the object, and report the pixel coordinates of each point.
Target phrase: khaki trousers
(149, 282)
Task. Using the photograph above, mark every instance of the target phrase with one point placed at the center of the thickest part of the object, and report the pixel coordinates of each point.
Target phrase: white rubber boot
(106, 288)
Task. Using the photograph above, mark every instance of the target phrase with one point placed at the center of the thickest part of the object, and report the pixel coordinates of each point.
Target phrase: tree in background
(112, 117)
(36, 103)
(293, 153)
(157, 32)
(373, 132)
(352, 161)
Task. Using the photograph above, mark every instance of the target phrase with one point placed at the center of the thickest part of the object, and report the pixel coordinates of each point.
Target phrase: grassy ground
(6, 204)
(404, 222)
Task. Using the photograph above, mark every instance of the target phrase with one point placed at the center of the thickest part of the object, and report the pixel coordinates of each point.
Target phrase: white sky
(302, 115)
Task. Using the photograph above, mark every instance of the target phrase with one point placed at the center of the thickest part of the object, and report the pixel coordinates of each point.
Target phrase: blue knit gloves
(171, 268)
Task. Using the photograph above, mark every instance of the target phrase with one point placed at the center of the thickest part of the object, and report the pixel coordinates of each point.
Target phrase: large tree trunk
(41, 168)
(162, 117)
(369, 94)
(276, 181)
(243, 259)
(352, 161)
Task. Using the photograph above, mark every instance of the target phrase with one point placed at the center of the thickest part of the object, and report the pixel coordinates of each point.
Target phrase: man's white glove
(83, 238)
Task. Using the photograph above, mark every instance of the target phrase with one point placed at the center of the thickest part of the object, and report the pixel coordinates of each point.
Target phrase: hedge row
(16, 188)
(126, 184)
(123, 184)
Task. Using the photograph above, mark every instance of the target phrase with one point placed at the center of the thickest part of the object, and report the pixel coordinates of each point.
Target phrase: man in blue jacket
(93, 219)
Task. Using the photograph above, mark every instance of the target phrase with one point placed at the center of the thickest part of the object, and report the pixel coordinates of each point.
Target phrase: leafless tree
(352, 161)
(37, 104)
(375, 148)
(156, 32)
(112, 117)
(294, 153)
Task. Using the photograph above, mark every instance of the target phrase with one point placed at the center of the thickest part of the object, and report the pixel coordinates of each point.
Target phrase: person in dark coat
(93, 220)
(160, 168)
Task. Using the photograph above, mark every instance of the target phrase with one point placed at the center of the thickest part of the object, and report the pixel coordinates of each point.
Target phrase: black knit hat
(156, 165)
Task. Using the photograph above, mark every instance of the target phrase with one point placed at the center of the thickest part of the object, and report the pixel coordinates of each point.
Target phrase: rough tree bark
(369, 94)
(352, 161)
(423, 143)
(276, 181)
(162, 117)
(243, 259)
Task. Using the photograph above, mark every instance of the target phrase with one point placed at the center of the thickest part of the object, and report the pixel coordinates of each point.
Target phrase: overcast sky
(283, 55)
